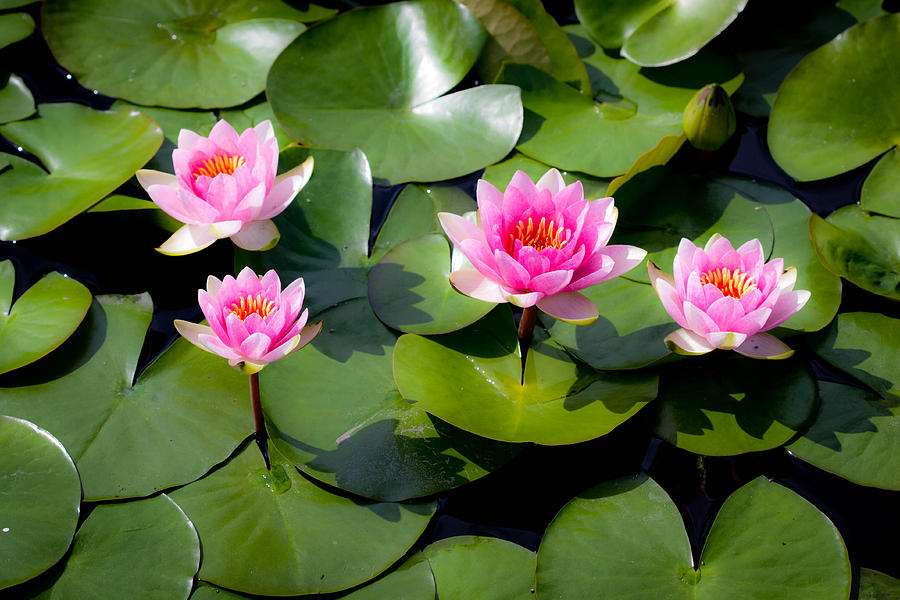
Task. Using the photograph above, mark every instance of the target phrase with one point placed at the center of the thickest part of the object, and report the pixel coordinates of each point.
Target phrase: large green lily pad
(629, 109)
(396, 113)
(626, 539)
(180, 54)
(41, 319)
(855, 433)
(276, 533)
(861, 247)
(835, 112)
(874, 585)
(725, 404)
(653, 33)
(879, 192)
(88, 154)
(16, 101)
(144, 550)
(15, 27)
(40, 497)
(467, 567)
(473, 379)
(132, 439)
(334, 410)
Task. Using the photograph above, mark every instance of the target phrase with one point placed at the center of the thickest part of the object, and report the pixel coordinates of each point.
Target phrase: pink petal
(270, 284)
(725, 340)
(257, 235)
(169, 200)
(188, 239)
(511, 272)
(524, 299)
(215, 345)
(236, 331)
(570, 307)
(725, 311)
(486, 192)
(308, 333)
(698, 321)
(752, 256)
(459, 228)
(592, 271)
(255, 346)
(192, 331)
(788, 304)
(286, 188)
(684, 341)
(671, 302)
(522, 182)
(248, 282)
(250, 206)
(292, 296)
(475, 285)
(752, 321)
(551, 282)
(553, 181)
(764, 345)
(224, 136)
(224, 229)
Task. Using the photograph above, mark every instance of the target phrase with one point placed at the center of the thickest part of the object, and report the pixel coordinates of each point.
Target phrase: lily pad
(276, 533)
(180, 54)
(40, 496)
(860, 247)
(41, 319)
(16, 101)
(660, 154)
(500, 175)
(116, 202)
(832, 112)
(721, 405)
(133, 439)
(396, 114)
(486, 568)
(626, 538)
(653, 33)
(15, 27)
(88, 154)
(874, 585)
(879, 192)
(143, 550)
(473, 379)
(252, 114)
(630, 110)
(334, 410)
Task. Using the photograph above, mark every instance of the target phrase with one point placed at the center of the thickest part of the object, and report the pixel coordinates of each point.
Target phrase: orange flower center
(545, 235)
(248, 305)
(218, 164)
(730, 283)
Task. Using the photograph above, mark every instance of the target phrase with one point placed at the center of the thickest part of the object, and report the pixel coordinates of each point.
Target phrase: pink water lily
(537, 245)
(725, 298)
(252, 322)
(225, 186)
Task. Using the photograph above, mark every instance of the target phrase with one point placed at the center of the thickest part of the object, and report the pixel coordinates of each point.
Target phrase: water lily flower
(251, 320)
(725, 298)
(225, 186)
(538, 244)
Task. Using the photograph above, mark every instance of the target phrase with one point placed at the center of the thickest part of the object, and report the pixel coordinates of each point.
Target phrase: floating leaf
(275, 533)
(116, 202)
(133, 439)
(40, 496)
(473, 379)
(41, 319)
(879, 192)
(180, 54)
(16, 101)
(832, 112)
(89, 153)
(626, 538)
(874, 585)
(251, 115)
(397, 110)
(512, 37)
(486, 568)
(15, 27)
(861, 247)
(660, 154)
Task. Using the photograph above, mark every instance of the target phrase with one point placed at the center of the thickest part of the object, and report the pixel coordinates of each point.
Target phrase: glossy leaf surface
(481, 567)
(16, 101)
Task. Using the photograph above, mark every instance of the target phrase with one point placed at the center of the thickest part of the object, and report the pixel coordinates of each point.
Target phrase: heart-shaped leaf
(486, 568)
(16, 101)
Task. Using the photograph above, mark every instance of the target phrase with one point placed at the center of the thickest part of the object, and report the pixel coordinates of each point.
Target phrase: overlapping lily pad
(474, 380)
(626, 538)
(132, 439)
(861, 247)
(15, 27)
(834, 111)
(144, 550)
(87, 154)
(16, 101)
(628, 114)
(396, 112)
(725, 404)
(40, 496)
(879, 192)
(653, 33)
(855, 433)
(276, 533)
(512, 37)
(41, 319)
(486, 568)
(874, 585)
(180, 54)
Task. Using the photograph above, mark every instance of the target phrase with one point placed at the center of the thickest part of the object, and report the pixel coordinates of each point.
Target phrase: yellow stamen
(730, 283)
(545, 235)
(249, 305)
(218, 164)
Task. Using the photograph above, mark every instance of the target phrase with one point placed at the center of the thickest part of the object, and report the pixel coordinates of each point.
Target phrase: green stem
(261, 435)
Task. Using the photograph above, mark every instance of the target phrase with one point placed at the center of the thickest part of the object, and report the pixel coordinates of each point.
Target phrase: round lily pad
(860, 247)
(134, 438)
(486, 568)
(512, 37)
(88, 154)
(15, 27)
(629, 109)
(180, 54)
(653, 33)
(874, 585)
(41, 319)
(725, 404)
(410, 290)
(626, 538)
(879, 192)
(473, 379)
(396, 113)
(276, 533)
(40, 496)
(833, 113)
(144, 550)
(333, 409)
(16, 101)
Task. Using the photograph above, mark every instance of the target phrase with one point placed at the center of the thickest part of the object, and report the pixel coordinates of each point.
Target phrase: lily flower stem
(526, 328)
(261, 435)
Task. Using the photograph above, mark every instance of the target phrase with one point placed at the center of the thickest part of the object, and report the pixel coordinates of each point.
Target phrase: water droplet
(702, 563)
(428, 191)
(95, 92)
(5, 529)
(69, 76)
(159, 25)
(19, 148)
(65, 275)
(331, 330)
(130, 79)
(309, 199)
(14, 241)
(174, 37)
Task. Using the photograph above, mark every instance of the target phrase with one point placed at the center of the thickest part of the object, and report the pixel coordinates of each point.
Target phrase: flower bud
(709, 118)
